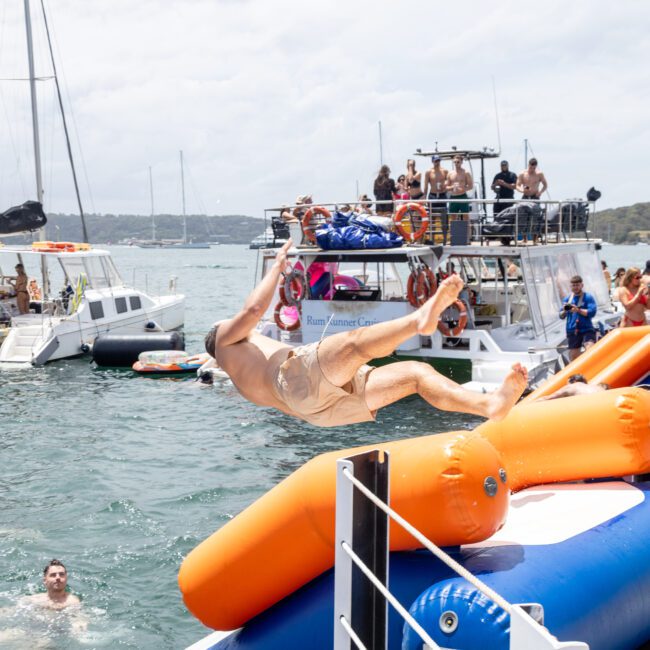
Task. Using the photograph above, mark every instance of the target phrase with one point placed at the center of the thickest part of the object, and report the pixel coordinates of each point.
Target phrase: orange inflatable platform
(286, 537)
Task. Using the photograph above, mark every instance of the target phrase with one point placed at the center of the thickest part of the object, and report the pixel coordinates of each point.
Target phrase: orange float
(410, 208)
(420, 286)
(595, 360)
(286, 537)
(280, 308)
(444, 328)
(586, 436)
(308, 229)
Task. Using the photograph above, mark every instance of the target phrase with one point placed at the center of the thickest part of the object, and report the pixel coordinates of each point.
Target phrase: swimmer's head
(51, 563)
(211, 339)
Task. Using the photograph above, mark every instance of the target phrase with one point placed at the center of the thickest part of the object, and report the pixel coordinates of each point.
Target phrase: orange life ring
(409, 208)
(308, 229)
(277, 315)
(462, 321)
(421, 286)
(292, 288)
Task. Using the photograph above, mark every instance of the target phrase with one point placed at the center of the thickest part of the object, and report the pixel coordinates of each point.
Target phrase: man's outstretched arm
(238, 328)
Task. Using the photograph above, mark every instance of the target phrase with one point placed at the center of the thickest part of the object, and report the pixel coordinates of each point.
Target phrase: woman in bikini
(413, 181)
(20, 287)
(634, 297)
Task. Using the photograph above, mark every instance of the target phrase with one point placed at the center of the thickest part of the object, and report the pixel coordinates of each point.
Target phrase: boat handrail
(373, 466)
(532, 220)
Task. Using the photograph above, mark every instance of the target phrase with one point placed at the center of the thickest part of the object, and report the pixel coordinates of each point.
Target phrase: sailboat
(167, 243)
(70, 293)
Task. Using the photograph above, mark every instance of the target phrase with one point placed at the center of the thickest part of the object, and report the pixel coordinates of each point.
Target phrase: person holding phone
(578, 309)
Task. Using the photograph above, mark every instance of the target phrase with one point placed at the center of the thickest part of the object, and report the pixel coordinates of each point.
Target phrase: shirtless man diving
(329, 383)
(530, 181)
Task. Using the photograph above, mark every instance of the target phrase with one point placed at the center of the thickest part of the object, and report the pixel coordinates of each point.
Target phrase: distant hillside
(627, 225)
(111, 228)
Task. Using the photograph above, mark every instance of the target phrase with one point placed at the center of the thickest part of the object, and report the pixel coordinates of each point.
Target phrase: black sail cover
(22, 218)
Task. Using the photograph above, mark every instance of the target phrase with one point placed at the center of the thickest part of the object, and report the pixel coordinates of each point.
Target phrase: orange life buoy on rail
(421, 286)
(308, 229)
(443, 326)
(292, 288)
(410, 208)
(283, 325)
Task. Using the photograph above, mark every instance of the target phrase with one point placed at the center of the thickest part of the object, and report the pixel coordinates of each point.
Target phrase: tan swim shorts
(301, 385)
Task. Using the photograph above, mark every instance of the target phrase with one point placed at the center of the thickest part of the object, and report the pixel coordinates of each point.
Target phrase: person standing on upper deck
(531, 182)
(459, 182)
(504, 185)
(384, 189)
(435, 183)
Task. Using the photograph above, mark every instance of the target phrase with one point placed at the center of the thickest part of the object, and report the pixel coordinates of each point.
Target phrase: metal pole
(525, 152)
(153, 218)
(183, 196)
(381, 147)
(37, 145)
(364, 528)
(32, 88)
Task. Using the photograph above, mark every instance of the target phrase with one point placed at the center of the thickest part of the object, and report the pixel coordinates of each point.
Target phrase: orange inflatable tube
(594, 360)
(586, 436)
(286, 537)
(632, 365)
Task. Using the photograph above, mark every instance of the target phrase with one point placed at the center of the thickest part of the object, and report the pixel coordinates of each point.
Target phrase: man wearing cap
(504, 185)
(530, 180)
(435, 181)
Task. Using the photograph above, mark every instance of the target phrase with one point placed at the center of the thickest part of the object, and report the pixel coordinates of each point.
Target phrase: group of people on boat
(451, 189)
(21, 287)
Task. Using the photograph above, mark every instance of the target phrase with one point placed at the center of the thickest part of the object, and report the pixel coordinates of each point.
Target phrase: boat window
(114, 279)
(120, 305)
(542, 280)
(96, 310)
(96, 276)
(73, 267)
(135, 302)
(591, 271)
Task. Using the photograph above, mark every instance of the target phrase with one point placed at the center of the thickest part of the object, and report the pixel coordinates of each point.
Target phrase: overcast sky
(272, 99)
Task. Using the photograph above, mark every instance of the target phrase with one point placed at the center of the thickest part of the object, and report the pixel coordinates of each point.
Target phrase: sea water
(120, 476)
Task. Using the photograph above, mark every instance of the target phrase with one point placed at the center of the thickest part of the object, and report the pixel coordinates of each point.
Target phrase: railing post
(361, 525)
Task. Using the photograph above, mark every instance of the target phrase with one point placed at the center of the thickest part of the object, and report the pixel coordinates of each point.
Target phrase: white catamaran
(75, 291)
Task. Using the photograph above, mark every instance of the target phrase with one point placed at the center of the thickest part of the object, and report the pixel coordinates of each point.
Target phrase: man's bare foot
(445, 296)
(503, 399)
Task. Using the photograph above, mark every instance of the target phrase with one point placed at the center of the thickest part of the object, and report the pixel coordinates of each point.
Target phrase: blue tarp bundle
(359, 233)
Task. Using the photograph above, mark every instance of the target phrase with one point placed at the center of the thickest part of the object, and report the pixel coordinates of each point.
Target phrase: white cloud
(273, 99)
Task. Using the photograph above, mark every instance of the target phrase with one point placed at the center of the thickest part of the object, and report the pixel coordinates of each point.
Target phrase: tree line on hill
(121, 228)
(625, 225)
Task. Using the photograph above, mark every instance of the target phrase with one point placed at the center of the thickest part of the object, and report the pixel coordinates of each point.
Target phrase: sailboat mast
(183, 197)
(32, 88)
(153, 218)
(37, 143)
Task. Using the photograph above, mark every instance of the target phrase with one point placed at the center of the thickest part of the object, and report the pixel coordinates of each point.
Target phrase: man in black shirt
(503, 185)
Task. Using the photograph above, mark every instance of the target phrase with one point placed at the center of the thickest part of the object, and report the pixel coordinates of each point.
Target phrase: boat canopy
(96, 266)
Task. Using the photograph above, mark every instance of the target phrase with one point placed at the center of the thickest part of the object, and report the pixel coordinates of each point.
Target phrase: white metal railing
(564, 219)
(526, 633)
